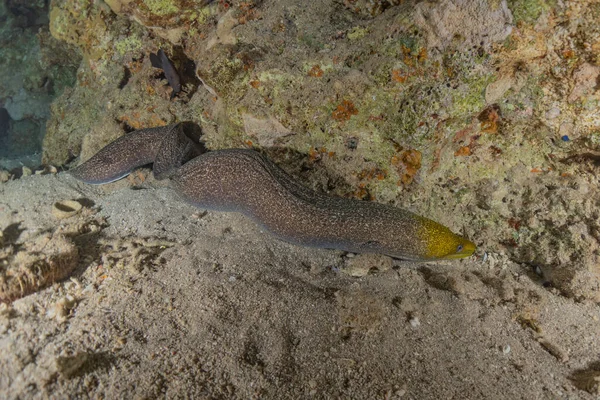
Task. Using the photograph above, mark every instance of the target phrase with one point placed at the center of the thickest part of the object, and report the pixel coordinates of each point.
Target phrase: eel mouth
(467, 251)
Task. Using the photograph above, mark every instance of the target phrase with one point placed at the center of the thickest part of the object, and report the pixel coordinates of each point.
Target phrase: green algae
(161, 7)
(470, 98)
(311, 41)
(202, 15)
(357, 32)
(228, 75)
(128, 44)
(528, 11)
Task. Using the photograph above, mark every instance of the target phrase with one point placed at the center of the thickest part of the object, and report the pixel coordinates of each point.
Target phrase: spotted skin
(245, 181)
(120, 157)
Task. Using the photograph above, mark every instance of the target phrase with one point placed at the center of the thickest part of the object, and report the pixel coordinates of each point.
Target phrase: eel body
(246, 181)
(160, 60)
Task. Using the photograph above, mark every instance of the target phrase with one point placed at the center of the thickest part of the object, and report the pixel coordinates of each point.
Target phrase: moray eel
(247, 182)
(160, 60)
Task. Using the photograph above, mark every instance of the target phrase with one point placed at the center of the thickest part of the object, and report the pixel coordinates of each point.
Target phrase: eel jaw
(441, 243)
(467, 251)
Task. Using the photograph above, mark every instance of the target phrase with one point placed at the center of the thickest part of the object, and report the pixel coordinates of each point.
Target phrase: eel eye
(459, 248)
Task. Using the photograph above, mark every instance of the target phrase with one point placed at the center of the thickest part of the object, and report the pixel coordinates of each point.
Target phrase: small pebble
(27, 171)
(506, 349)
(199, 214)
(66, 208)
(62, 308)
(4, 175)
(69, 366)
(5, 309)
(414, 322)
(552, 113)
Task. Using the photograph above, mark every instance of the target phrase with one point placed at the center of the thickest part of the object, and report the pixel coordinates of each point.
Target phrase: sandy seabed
(170, 301)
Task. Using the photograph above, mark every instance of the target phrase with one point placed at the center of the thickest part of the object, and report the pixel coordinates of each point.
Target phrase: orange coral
(137, 177)
(411, 61)
(398, 76)
(463, 151)
(155, 120)
(369, 174)
(489, 119)
(315, 71)
(568, 53)
(315, 154)
(133, 120)
(422, 56)
(407, 53)
(134, 66)
(137, 121)
(365, 176)
(362, 193)
(278, 28)
(408, 164)
(344, 111)
(249, 13)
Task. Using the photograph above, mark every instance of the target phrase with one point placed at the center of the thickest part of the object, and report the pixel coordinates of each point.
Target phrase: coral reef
(37, 261)
(490, 126)
(37, 68)
(48, 259)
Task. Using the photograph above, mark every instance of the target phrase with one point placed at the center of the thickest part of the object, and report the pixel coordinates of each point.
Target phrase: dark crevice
(186, 69)
(125, 79)
(4, 122)
(125, 126)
